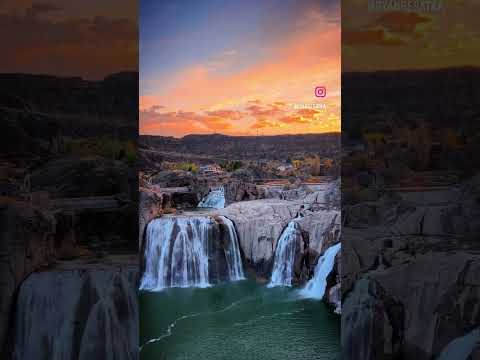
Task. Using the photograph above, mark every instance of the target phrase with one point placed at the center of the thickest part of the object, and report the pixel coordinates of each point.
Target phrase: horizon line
(226, 135)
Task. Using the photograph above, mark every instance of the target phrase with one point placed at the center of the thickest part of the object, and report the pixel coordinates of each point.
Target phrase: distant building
(286, 167)
(211, 169)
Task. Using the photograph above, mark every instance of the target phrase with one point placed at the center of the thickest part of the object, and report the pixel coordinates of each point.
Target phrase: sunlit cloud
(234, 96)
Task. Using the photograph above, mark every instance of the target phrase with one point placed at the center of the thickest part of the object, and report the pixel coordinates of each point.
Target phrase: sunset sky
(394, 40)
(87, 38)
(238, 67)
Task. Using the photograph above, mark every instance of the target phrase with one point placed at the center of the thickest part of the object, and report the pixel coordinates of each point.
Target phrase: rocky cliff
(260, 223)
(410, 279)
(26, 244)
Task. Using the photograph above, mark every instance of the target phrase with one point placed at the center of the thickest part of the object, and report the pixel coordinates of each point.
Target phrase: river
(236, 320)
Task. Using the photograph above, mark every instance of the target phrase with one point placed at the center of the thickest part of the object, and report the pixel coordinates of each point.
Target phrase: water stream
(285, 256)
(214, 199)
(180, 252)
(316, 286)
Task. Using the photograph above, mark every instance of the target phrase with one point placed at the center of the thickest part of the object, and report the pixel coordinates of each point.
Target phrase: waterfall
(316, 286)
(214, 199)
(358, 321)
(232, 252)
(176, 253)
(181, 251)
(285, 256)
(461, 348)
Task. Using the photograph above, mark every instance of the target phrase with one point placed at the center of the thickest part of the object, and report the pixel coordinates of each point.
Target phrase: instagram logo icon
(320, 91)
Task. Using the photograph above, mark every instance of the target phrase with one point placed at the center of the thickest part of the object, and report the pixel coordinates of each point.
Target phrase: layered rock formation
(260, 223)
(410, 279)
(240, 191)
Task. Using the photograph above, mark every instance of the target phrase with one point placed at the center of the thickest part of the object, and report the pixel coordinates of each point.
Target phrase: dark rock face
(183, 199)
(26, 244)
(218, 270)
(23, 135)
(173, 178)
(410, 279)
(151, 205)
(81, 177)
(240, 191)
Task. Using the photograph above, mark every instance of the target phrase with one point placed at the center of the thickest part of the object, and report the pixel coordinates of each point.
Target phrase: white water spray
(285, 256)
(214, 199)
(316, 286)
(232, 252)
(176, 253)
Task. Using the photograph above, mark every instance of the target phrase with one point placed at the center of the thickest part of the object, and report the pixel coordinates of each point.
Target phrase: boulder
(239, 191)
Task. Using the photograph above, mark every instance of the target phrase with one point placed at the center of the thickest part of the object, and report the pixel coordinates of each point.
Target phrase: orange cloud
(308, 113)
(227, 114)
(256, 96)
(370, 37)
(48, 41)
(175, 123)
(263, 123)
(294, 120)
(401, 22)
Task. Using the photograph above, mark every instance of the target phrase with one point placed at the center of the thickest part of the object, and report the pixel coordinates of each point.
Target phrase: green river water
(236, 321)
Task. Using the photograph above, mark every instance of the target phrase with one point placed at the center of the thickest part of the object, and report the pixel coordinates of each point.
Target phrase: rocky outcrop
(240, 191)
(388, 313)
(293, 193)
(76, 177)
(333, 293)
(260, 223)
(151, 205)
(173, 178)
(26, 244)
(410, 274)
(78, 313)
(329, 197)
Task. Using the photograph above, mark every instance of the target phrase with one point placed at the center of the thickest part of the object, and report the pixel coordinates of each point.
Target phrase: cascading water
(232, 252)
(176, 253)
(461, 348)
(214, 199)
(285, 256)
(316, 286)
